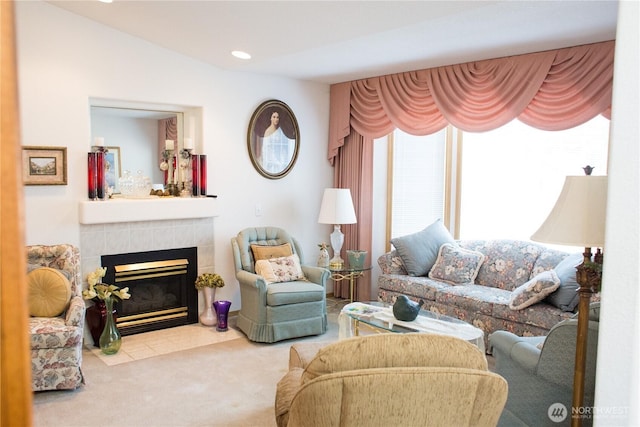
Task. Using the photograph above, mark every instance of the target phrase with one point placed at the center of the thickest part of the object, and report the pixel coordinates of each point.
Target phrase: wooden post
(15, 363)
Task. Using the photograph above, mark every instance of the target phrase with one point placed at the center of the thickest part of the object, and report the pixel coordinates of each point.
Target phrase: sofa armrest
(75, 312)
(522, 351)
(316, 275)
(390, 263)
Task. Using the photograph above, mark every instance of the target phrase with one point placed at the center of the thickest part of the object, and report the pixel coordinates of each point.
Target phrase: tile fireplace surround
(122, 226)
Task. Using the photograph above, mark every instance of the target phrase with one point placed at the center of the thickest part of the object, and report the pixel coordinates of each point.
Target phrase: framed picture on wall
(113, 170)
(273, 139)
(44, 165)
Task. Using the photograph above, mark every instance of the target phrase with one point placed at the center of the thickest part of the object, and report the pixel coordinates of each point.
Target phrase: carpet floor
(230, 383)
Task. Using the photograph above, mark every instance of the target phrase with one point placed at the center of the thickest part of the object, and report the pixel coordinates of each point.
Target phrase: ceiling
(335, 41)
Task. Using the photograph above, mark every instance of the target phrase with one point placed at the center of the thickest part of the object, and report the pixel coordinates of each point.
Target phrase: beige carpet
(229, 384)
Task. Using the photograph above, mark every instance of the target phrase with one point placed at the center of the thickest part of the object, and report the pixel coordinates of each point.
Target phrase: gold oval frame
(260, 121)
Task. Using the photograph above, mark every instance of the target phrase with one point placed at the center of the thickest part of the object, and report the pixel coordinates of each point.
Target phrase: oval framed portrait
(273, 139)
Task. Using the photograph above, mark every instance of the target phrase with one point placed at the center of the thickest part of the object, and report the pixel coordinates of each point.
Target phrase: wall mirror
(135, 134)
(273, 139)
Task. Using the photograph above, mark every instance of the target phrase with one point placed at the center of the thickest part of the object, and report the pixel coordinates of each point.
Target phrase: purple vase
(222, 312)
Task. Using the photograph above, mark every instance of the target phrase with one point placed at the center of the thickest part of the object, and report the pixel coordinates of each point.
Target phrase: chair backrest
(63, 257)
(395, 350)
(557, 358)
(266, 236)
(401, 396)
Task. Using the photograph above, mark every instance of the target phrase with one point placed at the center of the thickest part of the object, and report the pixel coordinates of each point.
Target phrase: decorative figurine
(323, 258)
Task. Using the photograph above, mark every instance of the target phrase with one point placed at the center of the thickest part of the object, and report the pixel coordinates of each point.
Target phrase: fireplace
(161, 284)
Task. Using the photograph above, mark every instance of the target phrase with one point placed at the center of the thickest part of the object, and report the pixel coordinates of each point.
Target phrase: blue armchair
(273, 312)
(540, 370)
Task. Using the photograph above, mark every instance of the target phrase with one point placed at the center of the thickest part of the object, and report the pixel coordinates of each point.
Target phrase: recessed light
(240, 54)
(105, 1)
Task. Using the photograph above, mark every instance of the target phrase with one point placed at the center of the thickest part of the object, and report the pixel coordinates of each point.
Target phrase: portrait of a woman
(274, 139)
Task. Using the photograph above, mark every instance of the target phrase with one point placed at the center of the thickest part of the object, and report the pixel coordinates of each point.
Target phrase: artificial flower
(209, 280)
(103, 291)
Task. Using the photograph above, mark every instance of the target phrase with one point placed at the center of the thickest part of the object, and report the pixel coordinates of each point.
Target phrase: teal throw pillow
(566, 297)
(419, 251)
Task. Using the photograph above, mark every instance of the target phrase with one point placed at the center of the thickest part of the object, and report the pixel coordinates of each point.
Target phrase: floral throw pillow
(281, 269)
(456, 265)
(535, 290)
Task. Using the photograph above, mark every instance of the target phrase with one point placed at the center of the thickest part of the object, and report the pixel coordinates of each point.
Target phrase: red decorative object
(96, 320)
(203, 174)
(92, 160)
(195, 174)
(100, 163)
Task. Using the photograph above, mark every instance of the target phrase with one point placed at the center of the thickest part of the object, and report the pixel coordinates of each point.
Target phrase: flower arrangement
(103, 291)
(209, 280)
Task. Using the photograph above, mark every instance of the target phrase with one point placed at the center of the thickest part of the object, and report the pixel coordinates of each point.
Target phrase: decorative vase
(96, 319)
(222, 311)
(110, 339)
(356, 258)
(208, 317)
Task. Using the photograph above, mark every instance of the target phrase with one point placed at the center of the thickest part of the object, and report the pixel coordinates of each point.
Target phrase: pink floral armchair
(56, 342)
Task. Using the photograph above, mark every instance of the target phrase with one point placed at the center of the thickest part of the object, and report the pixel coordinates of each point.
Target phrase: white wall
(618, 372)
(63, 60)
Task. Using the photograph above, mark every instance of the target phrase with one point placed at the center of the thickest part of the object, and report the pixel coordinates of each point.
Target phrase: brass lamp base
(589, 277)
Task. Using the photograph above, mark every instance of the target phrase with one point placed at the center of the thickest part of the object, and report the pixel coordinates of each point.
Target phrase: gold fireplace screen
(148, 274)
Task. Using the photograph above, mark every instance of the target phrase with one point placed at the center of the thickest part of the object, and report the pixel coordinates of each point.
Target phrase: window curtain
(167, 129)
(354, 170)
(551, 90)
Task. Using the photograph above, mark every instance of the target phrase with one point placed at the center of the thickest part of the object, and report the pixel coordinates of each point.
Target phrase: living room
(65, 60)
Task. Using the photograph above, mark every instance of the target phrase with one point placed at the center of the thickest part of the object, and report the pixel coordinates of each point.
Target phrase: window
(509, 178)
(417, 192)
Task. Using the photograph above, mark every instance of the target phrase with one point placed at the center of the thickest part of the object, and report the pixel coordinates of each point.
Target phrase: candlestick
(188, 144)
(195, 173)
(100, 164)
(168, 144)
(92, 175)
(203, 174)
(98, 141)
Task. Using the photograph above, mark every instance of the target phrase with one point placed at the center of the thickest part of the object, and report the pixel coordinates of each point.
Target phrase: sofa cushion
(566, 296)
(474, 298)
(419, 251)
(281, 269)
(508, 263)
(419, 287)
(535, 290)
(456, 265)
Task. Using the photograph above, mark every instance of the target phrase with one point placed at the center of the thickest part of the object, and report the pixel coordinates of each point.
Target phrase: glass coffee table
(378, 317)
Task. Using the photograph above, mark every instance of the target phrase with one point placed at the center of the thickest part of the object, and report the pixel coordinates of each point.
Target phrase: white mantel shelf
(154, 209)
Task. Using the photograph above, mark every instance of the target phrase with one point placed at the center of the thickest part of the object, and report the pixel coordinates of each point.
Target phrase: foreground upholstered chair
(56, 339)
(540, 371)
(280, 306)
(391, 379)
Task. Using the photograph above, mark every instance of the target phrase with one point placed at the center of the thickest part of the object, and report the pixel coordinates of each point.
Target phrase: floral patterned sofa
(487, 300)
(56, 341)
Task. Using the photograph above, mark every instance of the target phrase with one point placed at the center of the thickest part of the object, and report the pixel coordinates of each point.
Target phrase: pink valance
(552, 90)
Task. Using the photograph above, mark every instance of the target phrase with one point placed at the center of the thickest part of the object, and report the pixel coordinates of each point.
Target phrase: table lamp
(336, 209)
(578, 219)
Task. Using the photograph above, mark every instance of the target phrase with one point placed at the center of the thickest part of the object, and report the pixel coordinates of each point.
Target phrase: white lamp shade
(337, 207)
(578, 218)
